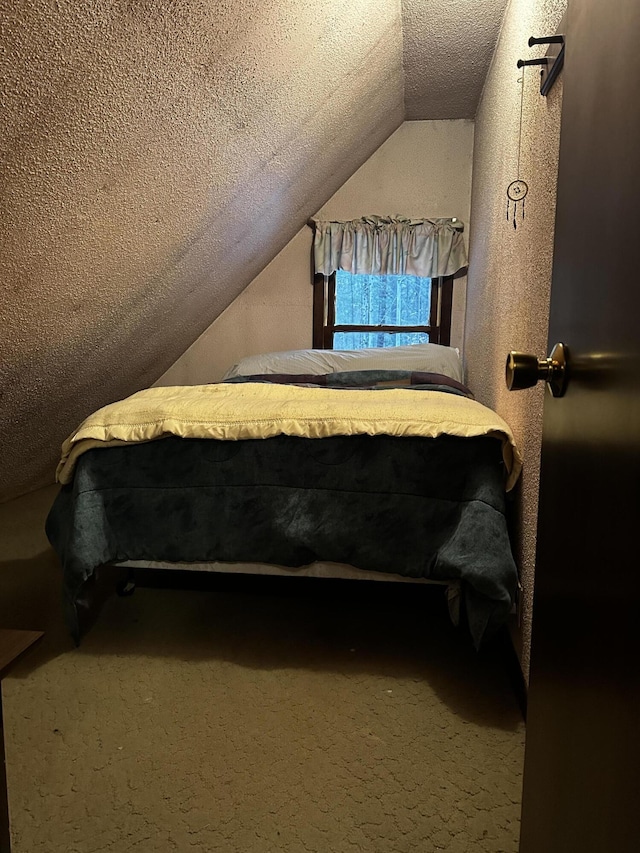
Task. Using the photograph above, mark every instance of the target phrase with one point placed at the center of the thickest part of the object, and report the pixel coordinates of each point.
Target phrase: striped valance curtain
(390, 245)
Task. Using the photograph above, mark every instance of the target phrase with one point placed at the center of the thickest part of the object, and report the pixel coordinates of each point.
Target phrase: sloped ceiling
(155, 155)
(448, 47)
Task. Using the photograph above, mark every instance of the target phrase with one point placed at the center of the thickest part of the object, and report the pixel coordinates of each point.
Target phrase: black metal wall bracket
(522, 62)
(553, 61)
(555, 57)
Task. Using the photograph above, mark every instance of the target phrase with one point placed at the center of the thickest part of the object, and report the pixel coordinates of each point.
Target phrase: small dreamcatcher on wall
(518, 189)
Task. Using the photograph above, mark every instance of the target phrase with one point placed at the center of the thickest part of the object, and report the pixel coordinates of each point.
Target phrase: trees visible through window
(357, 311)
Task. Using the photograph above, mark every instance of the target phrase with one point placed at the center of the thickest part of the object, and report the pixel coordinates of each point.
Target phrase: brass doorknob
(523, 370)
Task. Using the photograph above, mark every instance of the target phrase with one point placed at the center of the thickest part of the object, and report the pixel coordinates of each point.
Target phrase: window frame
(324, 303)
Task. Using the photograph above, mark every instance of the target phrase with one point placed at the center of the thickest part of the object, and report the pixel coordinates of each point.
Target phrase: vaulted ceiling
(155, 155)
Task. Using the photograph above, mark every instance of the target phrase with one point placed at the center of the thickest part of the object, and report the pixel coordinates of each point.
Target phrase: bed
(367, 464)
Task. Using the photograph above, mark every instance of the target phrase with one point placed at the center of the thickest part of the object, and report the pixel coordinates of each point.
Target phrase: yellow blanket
(255, 410)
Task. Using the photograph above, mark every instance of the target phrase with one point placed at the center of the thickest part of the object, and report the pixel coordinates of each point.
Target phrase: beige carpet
(285, 716)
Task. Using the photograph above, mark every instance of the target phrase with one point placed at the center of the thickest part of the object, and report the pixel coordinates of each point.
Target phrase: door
(582, 767)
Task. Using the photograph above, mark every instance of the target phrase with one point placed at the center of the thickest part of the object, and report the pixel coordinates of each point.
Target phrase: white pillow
(428, 358)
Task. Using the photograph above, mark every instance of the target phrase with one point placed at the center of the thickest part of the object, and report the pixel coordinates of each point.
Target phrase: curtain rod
(312, 224)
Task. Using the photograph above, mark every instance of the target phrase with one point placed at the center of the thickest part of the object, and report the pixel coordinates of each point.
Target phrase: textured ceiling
(155, 155)
(448, 45)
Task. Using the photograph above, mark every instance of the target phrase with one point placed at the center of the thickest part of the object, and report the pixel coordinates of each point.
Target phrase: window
(356, 311)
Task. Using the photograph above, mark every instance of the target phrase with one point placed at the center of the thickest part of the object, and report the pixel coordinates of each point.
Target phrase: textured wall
(448, 45)
(510, 270)
(423, 169)
(154, 157)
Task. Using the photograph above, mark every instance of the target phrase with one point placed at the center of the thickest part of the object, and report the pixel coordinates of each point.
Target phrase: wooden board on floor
(13, 643)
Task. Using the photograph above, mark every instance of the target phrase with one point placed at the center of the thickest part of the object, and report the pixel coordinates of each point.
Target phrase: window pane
(376, 300)
(363, 340)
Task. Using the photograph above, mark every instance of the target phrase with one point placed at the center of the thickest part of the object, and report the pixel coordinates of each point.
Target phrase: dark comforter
(420, 507)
